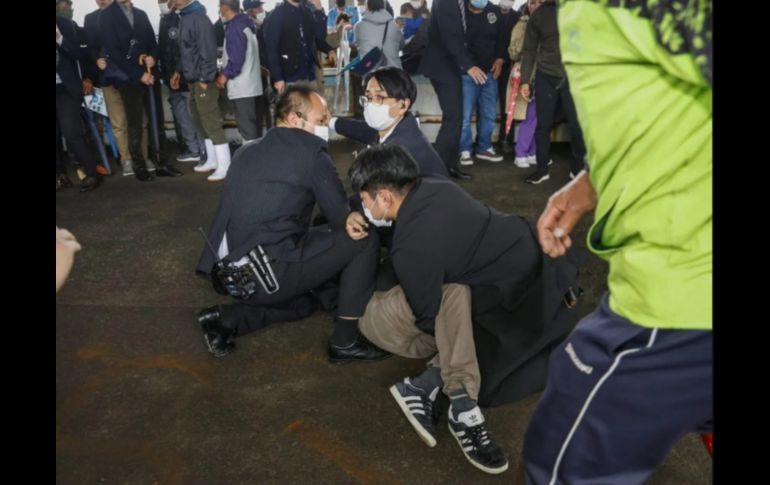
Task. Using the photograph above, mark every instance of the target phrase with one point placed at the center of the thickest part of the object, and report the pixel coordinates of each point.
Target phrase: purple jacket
(236, 43)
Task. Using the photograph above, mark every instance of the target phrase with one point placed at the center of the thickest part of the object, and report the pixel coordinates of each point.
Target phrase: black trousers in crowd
(245, 111)
(354, 262)
(70, 125)
(450, 98)
(550, 92)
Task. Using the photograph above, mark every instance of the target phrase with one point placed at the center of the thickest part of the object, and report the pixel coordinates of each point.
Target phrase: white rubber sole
(489, 159)
(204, 170)
(421, 432)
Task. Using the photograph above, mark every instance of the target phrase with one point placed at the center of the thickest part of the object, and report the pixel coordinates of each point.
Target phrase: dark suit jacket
(443, 235)
(406, 134)
(446, 56)
(271, 188)
(124, 44)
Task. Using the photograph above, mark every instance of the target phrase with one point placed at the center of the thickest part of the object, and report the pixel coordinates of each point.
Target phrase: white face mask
(377, 222)
(322, 132)
(261, 17)
(164, 10)
(378, 117)
(416, 5)
(361, 9)
(506, 4)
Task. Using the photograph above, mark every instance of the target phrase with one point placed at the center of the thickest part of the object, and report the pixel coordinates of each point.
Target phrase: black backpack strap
(384, 33)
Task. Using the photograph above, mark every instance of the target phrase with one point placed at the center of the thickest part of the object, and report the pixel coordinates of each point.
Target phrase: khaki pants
(118, 120)
(390, 324)
(206, 113)
(117, 114)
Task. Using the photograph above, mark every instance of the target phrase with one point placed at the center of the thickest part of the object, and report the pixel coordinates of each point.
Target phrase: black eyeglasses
(375, 100)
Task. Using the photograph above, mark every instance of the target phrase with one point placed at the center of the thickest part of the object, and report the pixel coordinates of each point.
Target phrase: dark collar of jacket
(405, 127)
(192, 8)
(116, 14)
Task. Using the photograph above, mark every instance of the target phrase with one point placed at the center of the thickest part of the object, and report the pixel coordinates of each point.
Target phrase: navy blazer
(271, 188)
(406, 134)
(124, 44)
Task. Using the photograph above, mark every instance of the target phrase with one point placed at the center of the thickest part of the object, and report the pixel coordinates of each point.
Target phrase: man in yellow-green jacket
(636, 374)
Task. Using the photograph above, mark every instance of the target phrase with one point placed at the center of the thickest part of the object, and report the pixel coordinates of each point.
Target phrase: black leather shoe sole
(357, 353)
(216, 336)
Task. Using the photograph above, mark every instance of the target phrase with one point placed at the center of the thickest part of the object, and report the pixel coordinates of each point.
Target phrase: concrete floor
(140, 401)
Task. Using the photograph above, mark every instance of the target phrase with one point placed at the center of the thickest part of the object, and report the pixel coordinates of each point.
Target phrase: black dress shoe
(218, 338)
(167, 171)
(459, 174)
(143, 175)
(360, 350)
(90, 183)
(62, 181)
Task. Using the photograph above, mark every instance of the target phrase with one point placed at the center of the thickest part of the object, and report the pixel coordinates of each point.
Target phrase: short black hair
(341, 3)
(384, 167)
(396, 82)
(294, 99)
(375, 5)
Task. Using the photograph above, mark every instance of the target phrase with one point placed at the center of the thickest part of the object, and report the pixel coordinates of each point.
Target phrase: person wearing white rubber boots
(199, 66)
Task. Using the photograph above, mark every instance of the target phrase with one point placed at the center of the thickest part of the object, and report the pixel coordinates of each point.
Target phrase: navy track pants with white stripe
(617, 399)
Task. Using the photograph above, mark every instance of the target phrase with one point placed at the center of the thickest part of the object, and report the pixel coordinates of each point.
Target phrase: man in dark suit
(129, 44)
(390, 95)
(69, 96)
(275, 183)
(112, 99)
(445, 59)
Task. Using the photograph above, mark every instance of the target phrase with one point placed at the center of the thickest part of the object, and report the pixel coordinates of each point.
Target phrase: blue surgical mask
(480, 4)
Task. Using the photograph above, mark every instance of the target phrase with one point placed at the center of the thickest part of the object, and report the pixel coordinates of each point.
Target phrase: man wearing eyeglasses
(390, 95)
